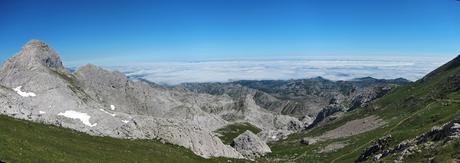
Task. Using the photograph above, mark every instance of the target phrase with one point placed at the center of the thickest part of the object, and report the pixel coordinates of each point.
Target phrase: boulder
(308, 141)
(378, 146)
(250, 146)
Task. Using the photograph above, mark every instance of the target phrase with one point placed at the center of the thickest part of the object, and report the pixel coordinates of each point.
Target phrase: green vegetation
(231, 131)
(409, 111)
(24, 141)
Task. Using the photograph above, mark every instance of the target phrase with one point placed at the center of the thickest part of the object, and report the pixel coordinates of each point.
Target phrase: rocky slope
(34, 85)
(309, 100)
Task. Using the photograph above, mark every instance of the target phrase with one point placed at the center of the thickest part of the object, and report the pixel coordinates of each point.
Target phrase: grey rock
(308, 141)
(377, 157)
(250, 146)
(378, 146)
(274, 135)
(325, 113)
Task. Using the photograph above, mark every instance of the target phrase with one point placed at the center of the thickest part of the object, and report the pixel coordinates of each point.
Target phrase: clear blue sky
(213, 29)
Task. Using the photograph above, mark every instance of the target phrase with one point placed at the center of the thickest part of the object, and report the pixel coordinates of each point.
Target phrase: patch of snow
(83, 117)
(125, 121)
(113, 115)
(24, 94)
(274, 137)
(112, 107)
(41, 112)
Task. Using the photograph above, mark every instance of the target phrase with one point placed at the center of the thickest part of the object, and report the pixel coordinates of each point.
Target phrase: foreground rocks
(430, 140)
(250, 146)
(378, 145)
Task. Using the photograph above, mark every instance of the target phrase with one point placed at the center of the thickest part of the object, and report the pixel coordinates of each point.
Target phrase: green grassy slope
(409, 111)
(23, 141)
(231, 131)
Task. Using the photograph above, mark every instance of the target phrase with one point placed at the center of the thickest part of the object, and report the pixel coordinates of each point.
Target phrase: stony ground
(354, 127)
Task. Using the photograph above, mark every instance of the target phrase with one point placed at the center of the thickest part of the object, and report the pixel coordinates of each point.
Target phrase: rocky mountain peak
(35, 54)
(88, 67)
(35, 43)
(93, 72)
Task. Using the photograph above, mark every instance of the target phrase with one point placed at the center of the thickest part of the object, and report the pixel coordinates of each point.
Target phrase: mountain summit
(34, 55)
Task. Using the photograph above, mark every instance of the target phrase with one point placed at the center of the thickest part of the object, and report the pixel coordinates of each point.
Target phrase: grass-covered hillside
(404, 114)
(24, 141)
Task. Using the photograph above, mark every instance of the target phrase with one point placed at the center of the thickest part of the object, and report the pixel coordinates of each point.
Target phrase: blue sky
(226, 29)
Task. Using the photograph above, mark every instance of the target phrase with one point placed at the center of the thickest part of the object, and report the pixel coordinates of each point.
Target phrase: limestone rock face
(35, 86)
(140, 98)
(35, 55)
(250, 146)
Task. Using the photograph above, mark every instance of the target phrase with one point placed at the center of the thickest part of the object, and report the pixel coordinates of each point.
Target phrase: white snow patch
(273, 137)
(113, 115)
(83, 117)
(125, 121)
(41, 112)
(112, 107)
(24, 94)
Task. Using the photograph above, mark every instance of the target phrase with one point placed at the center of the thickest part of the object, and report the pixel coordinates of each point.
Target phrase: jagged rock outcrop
(308, 141)
(378, 145)
(34, 55)
(429, 140)
(367, 95)
(325, 113)
(250, 146)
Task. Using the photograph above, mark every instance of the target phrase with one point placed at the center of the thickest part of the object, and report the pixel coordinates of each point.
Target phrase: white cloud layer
(334, 68)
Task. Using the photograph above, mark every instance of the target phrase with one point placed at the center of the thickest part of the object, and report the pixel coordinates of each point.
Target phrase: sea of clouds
(333, 68)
